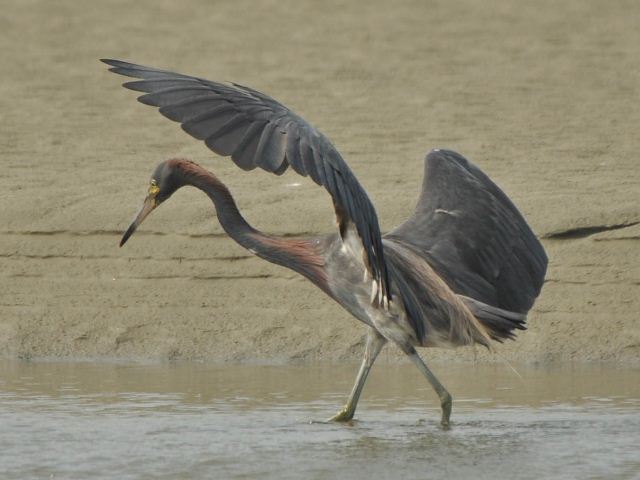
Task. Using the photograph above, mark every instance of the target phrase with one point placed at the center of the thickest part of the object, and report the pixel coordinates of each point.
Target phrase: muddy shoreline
(539, 96)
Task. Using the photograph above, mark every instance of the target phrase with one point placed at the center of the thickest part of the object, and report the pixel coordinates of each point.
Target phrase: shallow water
(88, 420)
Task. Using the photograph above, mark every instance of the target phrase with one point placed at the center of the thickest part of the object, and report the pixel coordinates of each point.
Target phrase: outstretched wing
(473, 235)
(257, 131)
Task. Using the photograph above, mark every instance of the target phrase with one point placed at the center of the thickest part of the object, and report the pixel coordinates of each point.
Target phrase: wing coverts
(473, 236)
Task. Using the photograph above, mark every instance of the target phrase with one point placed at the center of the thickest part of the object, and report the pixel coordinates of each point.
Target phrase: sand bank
(543, 97)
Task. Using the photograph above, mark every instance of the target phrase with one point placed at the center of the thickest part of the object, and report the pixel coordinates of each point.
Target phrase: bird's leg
(375, 342)
(445, 397)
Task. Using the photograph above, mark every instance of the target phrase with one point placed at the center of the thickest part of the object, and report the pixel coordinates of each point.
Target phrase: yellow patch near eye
(153, 188)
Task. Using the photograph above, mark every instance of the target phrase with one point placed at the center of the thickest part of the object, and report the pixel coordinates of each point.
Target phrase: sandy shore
(544, 97)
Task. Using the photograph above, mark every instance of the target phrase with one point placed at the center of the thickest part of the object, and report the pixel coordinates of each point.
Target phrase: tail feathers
(500, 324)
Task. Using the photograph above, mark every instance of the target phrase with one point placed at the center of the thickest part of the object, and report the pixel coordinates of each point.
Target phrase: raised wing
(257, 131)
(473, 236)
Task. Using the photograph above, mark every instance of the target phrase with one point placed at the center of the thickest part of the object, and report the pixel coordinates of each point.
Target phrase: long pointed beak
(147, 207)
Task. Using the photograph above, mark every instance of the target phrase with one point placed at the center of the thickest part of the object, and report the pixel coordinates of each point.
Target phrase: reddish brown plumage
(191, 169)
(301, 254)
(304, 253)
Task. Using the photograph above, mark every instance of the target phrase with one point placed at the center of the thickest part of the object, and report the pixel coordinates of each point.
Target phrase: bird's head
(163, 183)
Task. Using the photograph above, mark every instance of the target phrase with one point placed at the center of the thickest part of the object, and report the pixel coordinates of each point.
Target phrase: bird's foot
(345, 415)
(446, 403)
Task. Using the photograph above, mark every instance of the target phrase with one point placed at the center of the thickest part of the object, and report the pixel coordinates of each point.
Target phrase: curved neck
(228, 214)
(299, 254)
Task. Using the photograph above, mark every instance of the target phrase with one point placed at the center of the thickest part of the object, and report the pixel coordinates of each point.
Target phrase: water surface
(99, 421)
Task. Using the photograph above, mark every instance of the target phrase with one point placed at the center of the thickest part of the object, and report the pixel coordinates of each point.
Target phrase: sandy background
(544, 96)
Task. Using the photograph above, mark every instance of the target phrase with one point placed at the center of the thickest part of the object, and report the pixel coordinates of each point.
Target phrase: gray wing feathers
(257, 131)
(473, 236)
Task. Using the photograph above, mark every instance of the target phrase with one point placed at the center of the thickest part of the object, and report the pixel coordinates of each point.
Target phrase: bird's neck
(229, 216)
(300, 254)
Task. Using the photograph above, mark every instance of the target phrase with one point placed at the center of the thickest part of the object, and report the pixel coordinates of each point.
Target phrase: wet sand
(543, 97)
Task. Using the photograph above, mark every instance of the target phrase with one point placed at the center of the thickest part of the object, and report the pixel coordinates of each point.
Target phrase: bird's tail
(499, 324)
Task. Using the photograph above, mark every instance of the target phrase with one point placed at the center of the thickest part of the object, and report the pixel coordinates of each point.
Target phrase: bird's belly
(352, 288)
(349, 283)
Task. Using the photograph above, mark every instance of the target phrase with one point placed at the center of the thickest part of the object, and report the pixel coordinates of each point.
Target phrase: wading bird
(463, 269)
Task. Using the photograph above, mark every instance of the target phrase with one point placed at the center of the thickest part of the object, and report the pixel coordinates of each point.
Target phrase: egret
(463, 269)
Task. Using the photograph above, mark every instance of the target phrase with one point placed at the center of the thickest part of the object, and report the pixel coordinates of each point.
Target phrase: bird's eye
(153, 188)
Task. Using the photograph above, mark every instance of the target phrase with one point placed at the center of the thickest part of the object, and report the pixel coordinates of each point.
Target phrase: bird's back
(438, 316)
(473, 236)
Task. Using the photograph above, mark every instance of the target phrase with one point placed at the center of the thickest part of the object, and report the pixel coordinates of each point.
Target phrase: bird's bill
(147, 207)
